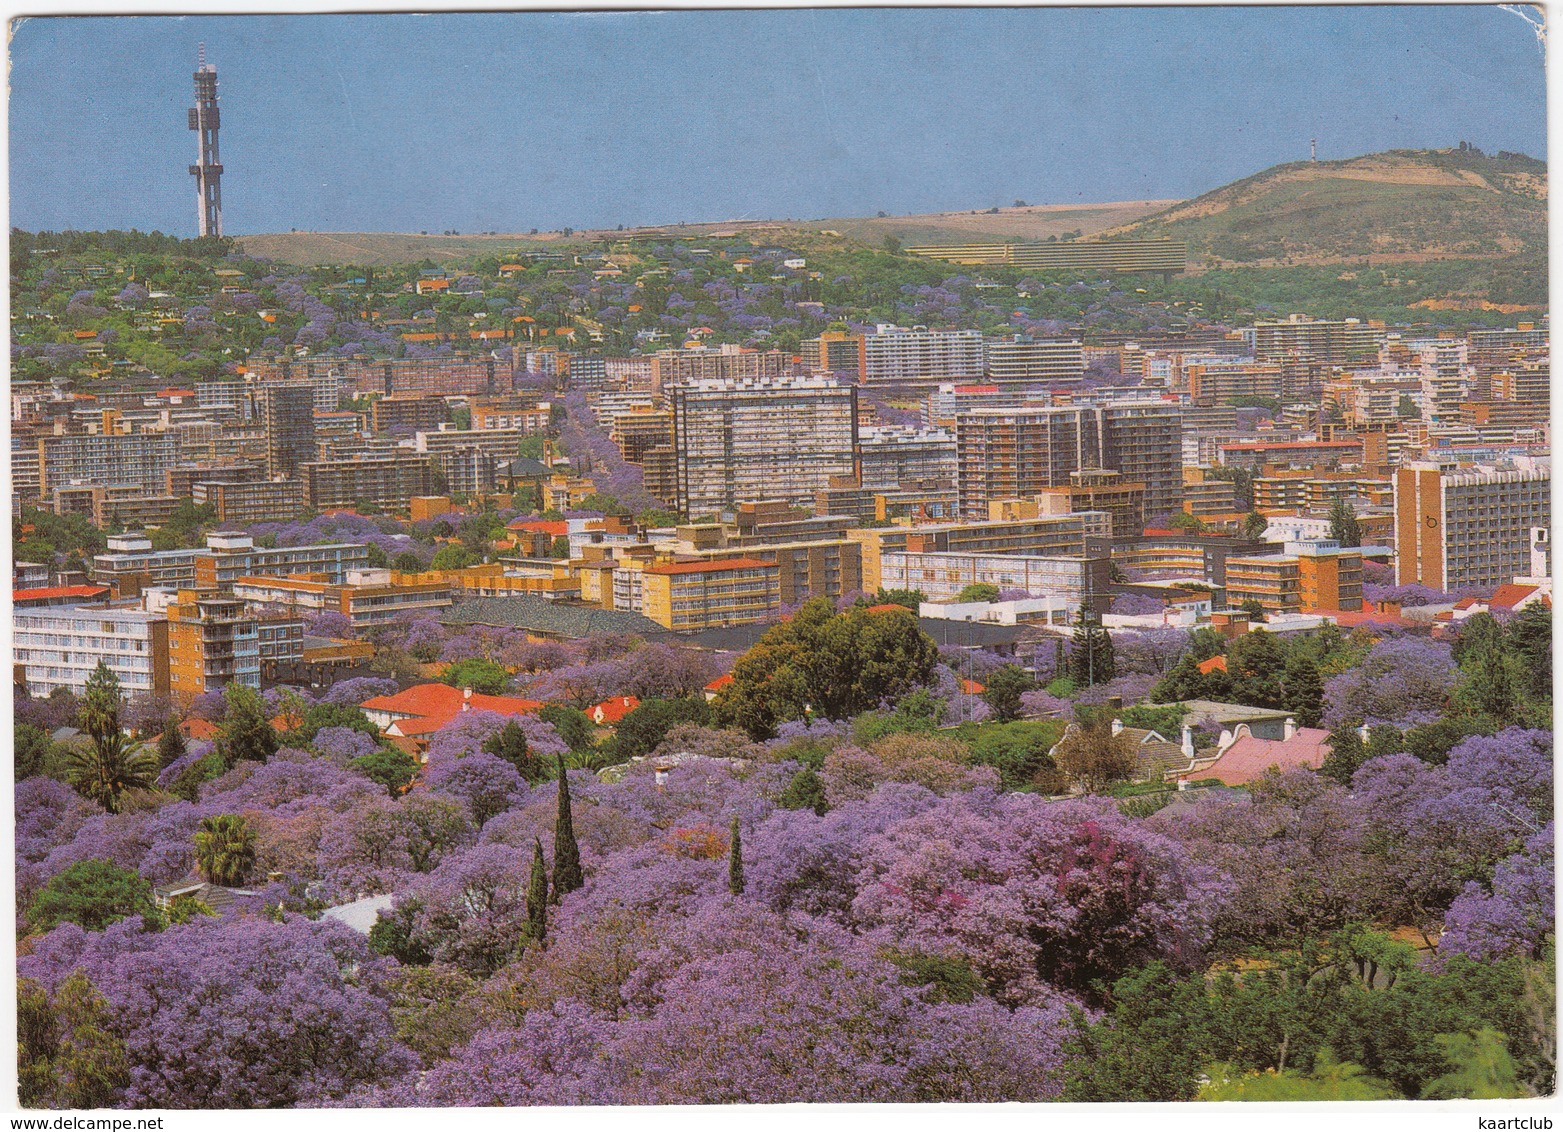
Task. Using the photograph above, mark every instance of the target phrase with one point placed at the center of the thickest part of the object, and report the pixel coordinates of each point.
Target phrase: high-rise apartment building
(137, 458)
(1454, 530)
(840, 352)
(379, 481)
(892, 456)
(1010, 453)
(213, 641)
(1023, 360)
(287, 414)
(899, 355)
(58, 647)
(1314, 341)
(768, 438)
(724, 363)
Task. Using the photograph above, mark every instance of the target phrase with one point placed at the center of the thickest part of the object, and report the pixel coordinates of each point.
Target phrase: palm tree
(225, 849)
(111, 764)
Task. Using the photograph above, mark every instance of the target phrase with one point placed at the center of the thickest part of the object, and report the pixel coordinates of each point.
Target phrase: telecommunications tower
(208, 174)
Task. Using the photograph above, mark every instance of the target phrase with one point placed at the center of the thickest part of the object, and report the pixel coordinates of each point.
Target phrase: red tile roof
(710, 567)
(720, 682)
(1206, 667)
(1509, 595)
(887, 607)
(57, 591)
(611, 711)
(199, 729)
(971, 687)
(442, 702)
(1248, 758)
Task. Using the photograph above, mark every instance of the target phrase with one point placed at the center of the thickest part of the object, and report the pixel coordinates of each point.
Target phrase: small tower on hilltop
(208, 173)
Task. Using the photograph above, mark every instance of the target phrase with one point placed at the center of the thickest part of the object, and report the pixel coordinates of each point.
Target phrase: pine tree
(246, 733)
(103, 700)
(537, 896)
(1344, 527)
(1304, 690)
(171, 744)
(735, 860)
(1091, 658)
(567, 854)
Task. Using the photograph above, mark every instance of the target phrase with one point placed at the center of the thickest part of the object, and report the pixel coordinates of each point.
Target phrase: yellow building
(688, 596)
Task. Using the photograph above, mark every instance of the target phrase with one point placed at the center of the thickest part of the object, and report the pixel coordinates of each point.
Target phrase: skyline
(788, 114)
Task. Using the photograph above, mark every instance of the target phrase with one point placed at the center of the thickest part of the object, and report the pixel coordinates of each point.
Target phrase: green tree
(67, 1054)
(912, 599)
(225, 849)
(1093, 756)
(108, 766)
(171, 743)
(406, 562)
(1255, 611)
(537, 896)
(560, 548)
(1255, 525)
(644, 727)
(1005, 685)
(509, 743)
(246, 734)
(1186, 521)
(392, 768)
(1481, 1068)
(1144, 1048)
(827, 664)
(454, 558)
(93, 894)
(1344, 527)
(1304, 689)
(978, 591)
(572, 724)
(1091, 656)
(32, 748)
(804, 791)
(102, 702)
(735, 859)
(567, 854)
(480, 675)
(1489, 687)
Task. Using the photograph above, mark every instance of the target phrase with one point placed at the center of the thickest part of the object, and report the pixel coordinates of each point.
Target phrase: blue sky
(496, 121)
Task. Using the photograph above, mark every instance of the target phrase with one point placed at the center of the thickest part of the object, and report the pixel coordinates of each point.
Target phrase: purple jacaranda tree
(329, 624)
(357, 689)
(1395, 680)
(236, 1013)
(1150, 652)
(1516, 916)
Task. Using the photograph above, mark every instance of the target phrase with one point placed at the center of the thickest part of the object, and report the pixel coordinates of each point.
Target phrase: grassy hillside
(1402, 206)
(382, 249)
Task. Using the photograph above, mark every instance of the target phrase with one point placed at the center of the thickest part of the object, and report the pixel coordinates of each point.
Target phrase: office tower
(287, 413)
(766, 438)
(1466, 529)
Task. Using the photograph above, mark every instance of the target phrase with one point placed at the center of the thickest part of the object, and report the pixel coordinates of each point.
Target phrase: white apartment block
(899, 355)
(59, 646)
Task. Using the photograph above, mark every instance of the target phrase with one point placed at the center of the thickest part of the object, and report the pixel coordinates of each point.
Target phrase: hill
(381, 249)
(1402, 206)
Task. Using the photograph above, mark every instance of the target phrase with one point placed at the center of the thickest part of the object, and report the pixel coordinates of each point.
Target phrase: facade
(690, 596)
(407, 413)
(287, 414)
(1023, 360)
(637, 433)
(369, 598)
(252, 502)
(1454, 530)
(58, 647)
(725, 363)
(941, 576)
(892, 456)
(1052, 536)
(1212, 382)
(1089, 490)
(379, 481)
(899, 356)
(836, 351)
(138, 458)
(1312, 576)
(763, 439)
(1007, 454)
(213, 641)
(1314, 341)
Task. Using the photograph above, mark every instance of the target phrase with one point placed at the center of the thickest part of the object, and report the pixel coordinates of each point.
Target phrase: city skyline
(790, 114)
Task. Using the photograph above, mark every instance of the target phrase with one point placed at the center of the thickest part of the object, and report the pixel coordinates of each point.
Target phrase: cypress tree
(567, 854)
(735, 861)
(171, 745)
(537, 896)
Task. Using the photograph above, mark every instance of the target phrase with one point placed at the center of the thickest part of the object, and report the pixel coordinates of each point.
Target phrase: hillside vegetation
(1400, 206)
